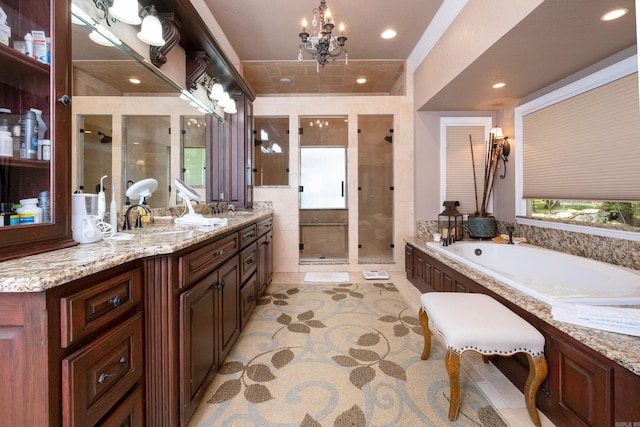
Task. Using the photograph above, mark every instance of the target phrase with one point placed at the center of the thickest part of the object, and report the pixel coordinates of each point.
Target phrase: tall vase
(481, 227)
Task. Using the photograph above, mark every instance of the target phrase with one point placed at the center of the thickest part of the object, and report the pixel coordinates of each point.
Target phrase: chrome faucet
(126, 225)
(450, 239)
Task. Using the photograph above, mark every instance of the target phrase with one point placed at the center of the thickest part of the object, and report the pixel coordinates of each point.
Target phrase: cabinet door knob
(104, 377)
(65, 100)
(116, 301)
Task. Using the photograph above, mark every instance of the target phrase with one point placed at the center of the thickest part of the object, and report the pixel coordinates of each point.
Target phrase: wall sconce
(151, 29)
(502, 147)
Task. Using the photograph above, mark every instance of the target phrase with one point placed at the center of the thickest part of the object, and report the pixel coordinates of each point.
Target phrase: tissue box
(5, 30)
(40, 46)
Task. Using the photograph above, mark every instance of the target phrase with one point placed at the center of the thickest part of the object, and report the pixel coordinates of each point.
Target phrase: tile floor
(504, 396)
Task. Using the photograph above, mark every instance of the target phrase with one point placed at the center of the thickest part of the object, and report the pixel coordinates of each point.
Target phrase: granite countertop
(39, 272)
(623, 349)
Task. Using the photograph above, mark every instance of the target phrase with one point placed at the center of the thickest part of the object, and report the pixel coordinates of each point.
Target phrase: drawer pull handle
(249, 261)
(250, 299)
(116, 301)
(250, 235)
(104, 377)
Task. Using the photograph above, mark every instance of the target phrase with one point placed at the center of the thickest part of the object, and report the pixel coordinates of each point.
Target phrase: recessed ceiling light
(388, 34)
(361, 80)
(285, 80)
(135, 81)
(614, 14)
(499, 85)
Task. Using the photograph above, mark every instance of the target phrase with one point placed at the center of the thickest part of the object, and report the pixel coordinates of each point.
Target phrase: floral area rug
(320, 355)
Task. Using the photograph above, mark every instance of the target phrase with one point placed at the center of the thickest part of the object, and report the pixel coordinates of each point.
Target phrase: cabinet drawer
(129, 413)
(97, 376)
(248, 235)
(265, 225)
(248, 299)
(86, 311)
(198, 263)
(248, 261)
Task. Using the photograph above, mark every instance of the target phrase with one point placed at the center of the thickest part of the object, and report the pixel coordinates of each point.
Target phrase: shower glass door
(375, 189)
(147, 147)
(324, 218)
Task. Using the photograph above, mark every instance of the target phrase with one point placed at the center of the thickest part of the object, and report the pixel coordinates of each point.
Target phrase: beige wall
(285, 199)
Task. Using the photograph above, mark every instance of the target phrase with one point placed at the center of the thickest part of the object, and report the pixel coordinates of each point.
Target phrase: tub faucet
(126, 225)
(450, 239)
(510, 230)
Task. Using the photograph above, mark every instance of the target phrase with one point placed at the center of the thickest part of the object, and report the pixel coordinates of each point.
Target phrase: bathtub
(547, 275)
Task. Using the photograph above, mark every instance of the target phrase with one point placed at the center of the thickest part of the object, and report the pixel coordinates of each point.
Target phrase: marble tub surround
(39, 272)
(620, 252)
(623, 349)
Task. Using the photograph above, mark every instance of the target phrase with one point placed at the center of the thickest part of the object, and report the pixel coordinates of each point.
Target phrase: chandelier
(323, 45)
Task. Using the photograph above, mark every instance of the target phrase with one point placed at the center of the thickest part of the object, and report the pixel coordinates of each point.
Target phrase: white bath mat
(327, 277)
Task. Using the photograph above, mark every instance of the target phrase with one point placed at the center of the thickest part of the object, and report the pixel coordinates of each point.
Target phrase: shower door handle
(342, 189)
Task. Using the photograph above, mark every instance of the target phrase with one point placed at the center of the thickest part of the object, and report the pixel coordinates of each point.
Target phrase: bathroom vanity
(127, 332)
(594, 375)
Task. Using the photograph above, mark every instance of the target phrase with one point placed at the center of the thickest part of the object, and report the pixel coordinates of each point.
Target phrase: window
(579, 158)
(456, 164)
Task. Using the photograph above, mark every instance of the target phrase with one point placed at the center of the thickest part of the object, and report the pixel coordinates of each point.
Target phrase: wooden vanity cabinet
(583, 388)
(74, 354)
(209, 326)
(265, 255)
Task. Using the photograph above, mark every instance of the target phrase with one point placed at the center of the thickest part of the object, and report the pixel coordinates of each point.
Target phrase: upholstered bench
(479, 323)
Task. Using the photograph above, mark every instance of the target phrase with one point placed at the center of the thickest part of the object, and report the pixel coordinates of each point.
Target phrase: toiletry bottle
(29, 134)
(42, 126)
(113, 210)
(28, 45)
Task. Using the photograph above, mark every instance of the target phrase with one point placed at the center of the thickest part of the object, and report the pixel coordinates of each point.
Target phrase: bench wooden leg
(424, 321)
(452, 362)
(537, 373)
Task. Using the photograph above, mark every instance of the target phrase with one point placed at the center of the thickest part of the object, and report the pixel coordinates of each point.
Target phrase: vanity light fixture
(126, 11)
(216, 92)
(103, 36)
(151, 29)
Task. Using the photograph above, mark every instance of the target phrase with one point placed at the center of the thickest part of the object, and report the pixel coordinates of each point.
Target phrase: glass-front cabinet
(34, 127)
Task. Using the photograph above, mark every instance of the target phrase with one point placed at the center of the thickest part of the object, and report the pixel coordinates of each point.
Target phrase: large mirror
(129, 120)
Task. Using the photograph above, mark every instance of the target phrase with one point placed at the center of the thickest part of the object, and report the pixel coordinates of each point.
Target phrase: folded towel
(623, 321)
(607, 315)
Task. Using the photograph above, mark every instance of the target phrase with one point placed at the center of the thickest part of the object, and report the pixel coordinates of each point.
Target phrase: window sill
(584, 229)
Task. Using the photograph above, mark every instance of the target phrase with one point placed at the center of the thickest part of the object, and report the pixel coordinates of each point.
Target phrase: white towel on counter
(623, 320)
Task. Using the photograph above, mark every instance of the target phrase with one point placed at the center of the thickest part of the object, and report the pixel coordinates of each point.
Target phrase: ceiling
(264, 34)
(557, 39)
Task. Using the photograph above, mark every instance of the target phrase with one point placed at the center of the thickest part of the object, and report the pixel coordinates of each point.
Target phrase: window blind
(459, 174)
(586, 147)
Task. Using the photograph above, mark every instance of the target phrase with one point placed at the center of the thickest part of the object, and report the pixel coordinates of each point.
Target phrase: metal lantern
(451, 219)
